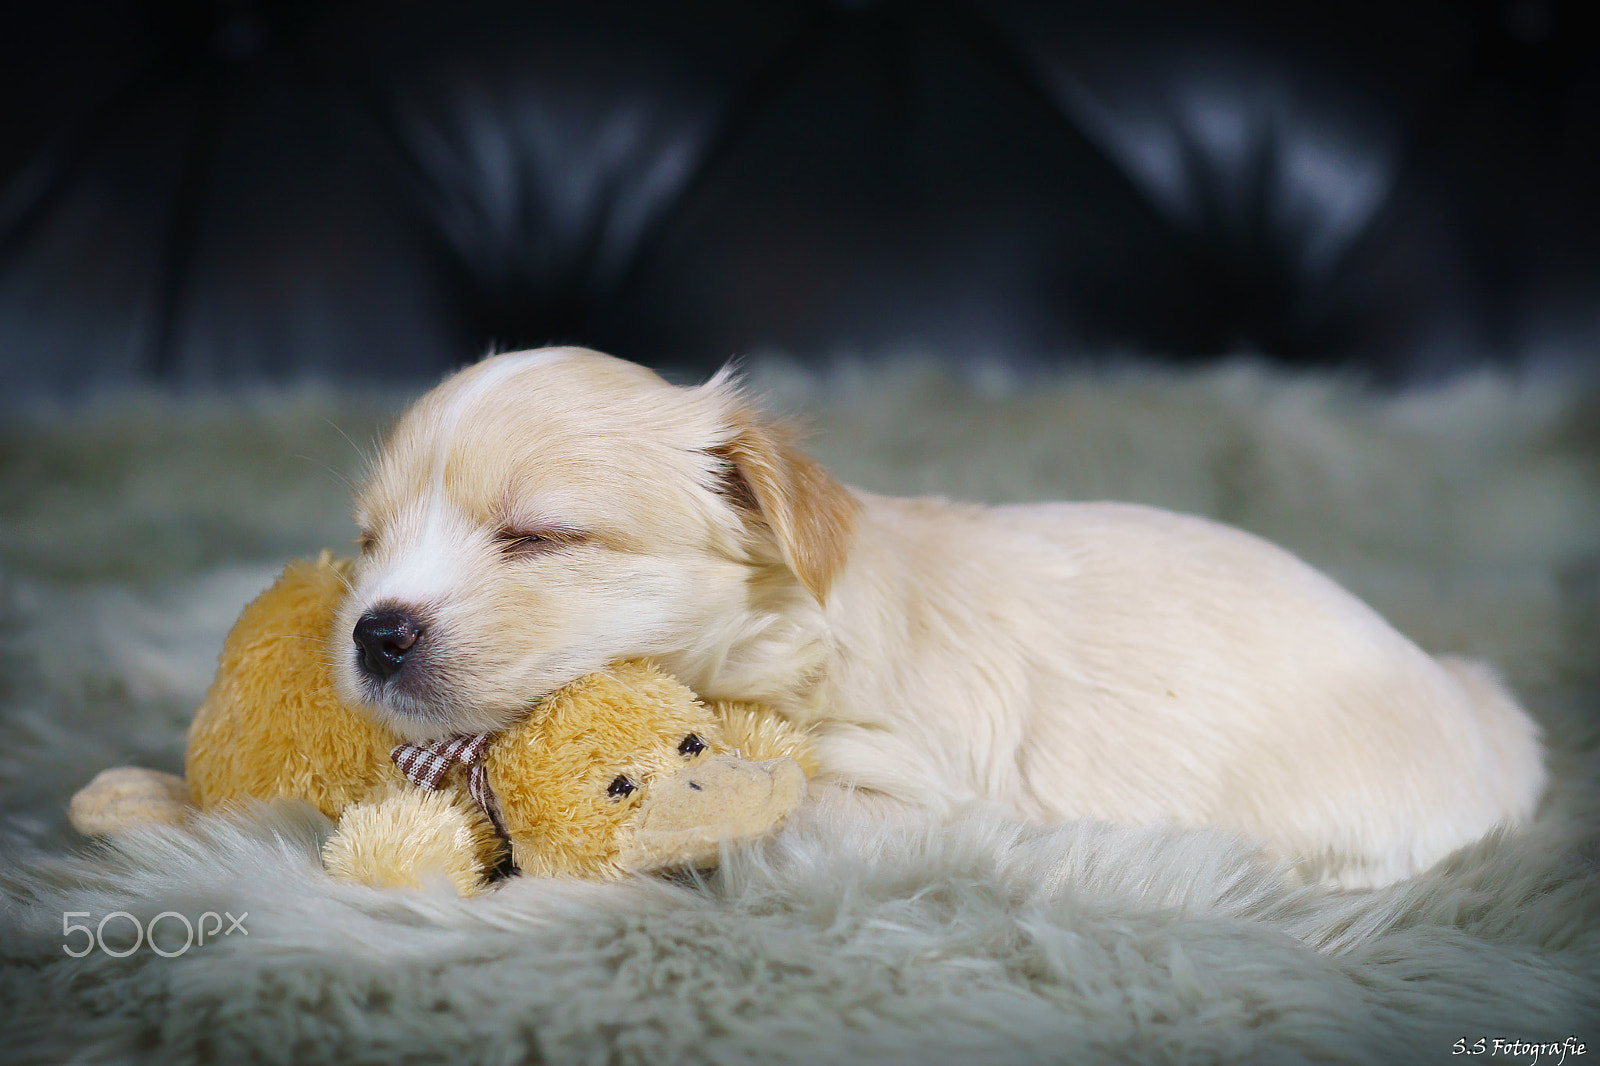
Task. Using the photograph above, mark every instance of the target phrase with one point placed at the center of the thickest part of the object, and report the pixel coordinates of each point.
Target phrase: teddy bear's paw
(128, 796)
(411, 837)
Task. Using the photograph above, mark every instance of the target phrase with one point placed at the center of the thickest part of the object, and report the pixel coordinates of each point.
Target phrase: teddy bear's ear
(722, 800)
(810, 515)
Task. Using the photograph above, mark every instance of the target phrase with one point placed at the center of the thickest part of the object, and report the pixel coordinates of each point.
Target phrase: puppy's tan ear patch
(810, 514)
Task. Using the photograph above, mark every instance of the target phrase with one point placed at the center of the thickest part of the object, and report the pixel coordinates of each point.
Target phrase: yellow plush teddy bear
(623, 770)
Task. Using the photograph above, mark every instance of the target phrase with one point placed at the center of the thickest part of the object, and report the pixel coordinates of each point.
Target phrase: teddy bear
(624, 770)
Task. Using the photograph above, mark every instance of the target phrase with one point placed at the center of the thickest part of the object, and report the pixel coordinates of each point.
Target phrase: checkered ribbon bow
(426, 767)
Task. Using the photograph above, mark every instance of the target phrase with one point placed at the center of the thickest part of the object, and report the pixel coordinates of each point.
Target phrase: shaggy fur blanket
(132, 532)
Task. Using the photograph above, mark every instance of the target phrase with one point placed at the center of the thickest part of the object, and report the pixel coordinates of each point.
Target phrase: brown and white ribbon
(426, 767)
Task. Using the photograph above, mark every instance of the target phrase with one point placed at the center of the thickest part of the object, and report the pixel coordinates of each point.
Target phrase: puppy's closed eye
(516, 542)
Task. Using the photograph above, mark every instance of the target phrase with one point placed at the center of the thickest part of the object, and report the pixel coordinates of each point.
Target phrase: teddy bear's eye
(620, 786)
(691, 746)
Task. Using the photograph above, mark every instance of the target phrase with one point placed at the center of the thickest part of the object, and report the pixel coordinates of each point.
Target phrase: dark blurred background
(214, 193)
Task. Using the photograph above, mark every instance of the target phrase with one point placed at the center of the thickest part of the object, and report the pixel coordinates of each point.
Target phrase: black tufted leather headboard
(214, 192)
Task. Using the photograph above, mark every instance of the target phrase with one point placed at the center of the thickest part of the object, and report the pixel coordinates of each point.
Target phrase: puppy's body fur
(546, 513)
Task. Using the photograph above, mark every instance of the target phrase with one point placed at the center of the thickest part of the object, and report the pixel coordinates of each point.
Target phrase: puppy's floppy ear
(811, 515)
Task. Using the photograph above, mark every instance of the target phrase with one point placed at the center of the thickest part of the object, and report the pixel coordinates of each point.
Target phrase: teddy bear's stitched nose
(384, 638)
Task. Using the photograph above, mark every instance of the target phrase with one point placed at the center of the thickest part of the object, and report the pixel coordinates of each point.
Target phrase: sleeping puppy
(543, 514)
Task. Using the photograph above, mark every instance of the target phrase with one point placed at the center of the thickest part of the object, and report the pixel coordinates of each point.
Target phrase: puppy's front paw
(128, 796)
(410, 837)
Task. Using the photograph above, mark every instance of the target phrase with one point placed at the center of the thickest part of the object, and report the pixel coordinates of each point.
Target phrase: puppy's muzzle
(385, 638)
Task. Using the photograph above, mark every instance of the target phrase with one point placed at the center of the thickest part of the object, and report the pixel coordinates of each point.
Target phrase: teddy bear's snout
(725, 799)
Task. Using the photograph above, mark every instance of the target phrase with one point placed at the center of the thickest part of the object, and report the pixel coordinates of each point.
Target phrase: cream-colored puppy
(544, 513)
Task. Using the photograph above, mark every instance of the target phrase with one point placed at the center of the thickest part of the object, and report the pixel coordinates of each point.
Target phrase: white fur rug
(131, 533)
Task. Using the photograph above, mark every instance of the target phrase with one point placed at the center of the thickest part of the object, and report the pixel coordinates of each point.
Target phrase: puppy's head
(543, 514)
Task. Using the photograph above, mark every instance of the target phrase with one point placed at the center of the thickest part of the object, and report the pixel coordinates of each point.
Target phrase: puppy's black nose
(384, 638)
